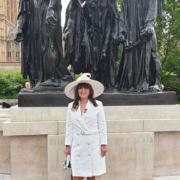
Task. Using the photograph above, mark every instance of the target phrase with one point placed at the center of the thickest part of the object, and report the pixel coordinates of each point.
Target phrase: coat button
(89, 154)
(79, 155)
(88, 143)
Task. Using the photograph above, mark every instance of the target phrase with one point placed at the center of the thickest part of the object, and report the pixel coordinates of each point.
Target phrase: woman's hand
(68, 150)
(103, 150)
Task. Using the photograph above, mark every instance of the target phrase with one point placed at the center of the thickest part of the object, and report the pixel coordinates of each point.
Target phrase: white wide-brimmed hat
(84, 78)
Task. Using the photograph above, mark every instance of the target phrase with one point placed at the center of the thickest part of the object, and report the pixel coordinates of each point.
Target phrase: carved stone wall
(143, 143)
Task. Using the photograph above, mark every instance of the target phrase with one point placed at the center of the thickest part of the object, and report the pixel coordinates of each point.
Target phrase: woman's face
(83, 93)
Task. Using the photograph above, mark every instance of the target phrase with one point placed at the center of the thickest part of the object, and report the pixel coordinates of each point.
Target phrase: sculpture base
(109, 98)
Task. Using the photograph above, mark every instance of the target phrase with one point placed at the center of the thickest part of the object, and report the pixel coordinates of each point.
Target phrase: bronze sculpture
(140, 67)
(39, 30)
(90, 34)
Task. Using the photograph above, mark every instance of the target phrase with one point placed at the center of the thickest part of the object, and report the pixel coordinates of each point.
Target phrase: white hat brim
(97, 87)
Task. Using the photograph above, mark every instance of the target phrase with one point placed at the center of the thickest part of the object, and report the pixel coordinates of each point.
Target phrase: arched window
(9, 50)
(17, 51)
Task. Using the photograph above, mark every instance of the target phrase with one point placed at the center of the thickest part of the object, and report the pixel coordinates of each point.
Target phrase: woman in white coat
(86, 132)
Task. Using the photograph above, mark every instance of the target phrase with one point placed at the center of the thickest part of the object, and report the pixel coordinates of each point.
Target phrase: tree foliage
(10, 84)
(168, 36)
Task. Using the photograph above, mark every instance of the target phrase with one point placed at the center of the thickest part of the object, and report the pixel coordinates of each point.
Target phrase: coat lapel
(87, 107)
(83, 116)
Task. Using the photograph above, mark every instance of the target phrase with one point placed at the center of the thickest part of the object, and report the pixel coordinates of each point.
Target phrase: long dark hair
(77, 98)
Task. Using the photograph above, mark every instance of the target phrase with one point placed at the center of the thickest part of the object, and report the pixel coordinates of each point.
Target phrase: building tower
(10, 53)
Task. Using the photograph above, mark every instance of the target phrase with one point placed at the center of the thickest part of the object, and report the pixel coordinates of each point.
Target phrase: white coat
(85, 134)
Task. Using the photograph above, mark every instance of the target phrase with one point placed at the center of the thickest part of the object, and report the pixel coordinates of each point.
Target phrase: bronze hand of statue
(119, 39)
(146, 34)
(91, 32)
(50, 17)
(18, 36)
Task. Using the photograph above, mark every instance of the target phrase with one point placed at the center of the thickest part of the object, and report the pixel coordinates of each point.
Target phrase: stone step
(115, 113)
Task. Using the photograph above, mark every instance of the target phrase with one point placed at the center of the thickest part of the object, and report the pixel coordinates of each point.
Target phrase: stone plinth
(56, 158)
(115, 113)
(5, 177)
(4, 116)
(167, 154)
(167, 178)
(5, 159)
(143, 143)
(130, 156)
(39, 114)
(109, 98)
(46, 99)
(29, 128)
(29, 158)
(4, 113)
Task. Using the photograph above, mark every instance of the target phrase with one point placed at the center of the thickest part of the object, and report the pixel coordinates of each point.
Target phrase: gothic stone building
(10, 53)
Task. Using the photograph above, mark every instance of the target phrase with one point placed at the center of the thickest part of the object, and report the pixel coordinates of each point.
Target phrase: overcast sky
(64, 5)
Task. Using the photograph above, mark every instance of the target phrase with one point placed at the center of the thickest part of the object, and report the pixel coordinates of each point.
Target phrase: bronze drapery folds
(39, 29)
(140, 67)
(90, 34)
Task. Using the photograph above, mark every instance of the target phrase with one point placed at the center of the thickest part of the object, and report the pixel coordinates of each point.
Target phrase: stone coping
(33, 114)
(2, 120)
(58, 127)
(4, 113)
(167, 178)
(29, 128)
(9, 101)
(5, 177)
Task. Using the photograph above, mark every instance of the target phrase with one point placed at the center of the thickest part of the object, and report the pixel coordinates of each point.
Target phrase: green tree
(119, 2)
(10, 84)
(168, 37)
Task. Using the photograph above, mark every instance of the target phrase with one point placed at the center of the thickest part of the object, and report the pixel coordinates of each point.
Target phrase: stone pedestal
(5, 158)
(109, 98)
(143, 143)
(29, 157)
